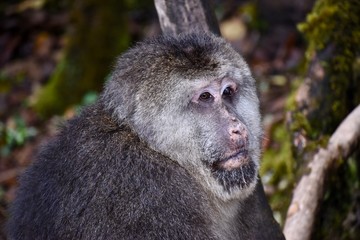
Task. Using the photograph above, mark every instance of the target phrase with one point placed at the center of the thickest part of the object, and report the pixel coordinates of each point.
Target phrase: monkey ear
(118, 98)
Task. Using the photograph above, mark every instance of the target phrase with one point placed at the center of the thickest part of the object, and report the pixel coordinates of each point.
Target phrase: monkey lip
(234, 161)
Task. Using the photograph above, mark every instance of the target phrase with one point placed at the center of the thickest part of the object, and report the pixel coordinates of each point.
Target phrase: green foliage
(89, 98)
(14, 134)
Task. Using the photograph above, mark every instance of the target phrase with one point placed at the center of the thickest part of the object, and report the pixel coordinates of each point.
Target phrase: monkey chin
(236, 173)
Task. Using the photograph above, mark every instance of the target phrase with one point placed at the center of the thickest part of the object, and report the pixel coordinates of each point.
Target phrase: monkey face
(210, 126)
(227, 146)
(193, 99)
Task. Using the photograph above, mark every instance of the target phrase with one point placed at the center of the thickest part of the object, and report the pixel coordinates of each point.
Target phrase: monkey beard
(240, 177)
(231, 174)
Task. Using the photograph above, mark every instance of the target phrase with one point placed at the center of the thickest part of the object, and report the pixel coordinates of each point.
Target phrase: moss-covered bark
(328, 94)
(98, 33)
(333, 34)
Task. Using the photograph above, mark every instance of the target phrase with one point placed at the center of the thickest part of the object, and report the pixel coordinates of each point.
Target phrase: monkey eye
(228, 92)
(205, 96)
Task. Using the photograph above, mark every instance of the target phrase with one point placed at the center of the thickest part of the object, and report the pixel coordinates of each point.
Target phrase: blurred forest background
(56, 55)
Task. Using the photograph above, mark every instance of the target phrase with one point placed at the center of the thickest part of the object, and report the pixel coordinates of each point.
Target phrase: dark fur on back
(74, 191)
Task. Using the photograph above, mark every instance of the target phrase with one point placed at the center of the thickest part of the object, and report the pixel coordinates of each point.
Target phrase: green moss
(334, 26)
(332, 30)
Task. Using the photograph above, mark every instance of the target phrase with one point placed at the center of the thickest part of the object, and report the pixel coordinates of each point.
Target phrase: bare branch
(309, 192)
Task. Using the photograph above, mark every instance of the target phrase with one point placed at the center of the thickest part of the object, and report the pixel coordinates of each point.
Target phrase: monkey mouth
(235, 171)
(232, 162)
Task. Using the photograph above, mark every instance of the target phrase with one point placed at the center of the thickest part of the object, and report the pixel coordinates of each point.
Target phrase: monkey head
(193, 99)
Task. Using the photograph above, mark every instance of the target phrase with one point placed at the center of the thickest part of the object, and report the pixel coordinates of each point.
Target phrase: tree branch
(310, 190)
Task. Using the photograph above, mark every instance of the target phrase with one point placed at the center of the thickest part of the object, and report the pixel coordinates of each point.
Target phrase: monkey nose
(234, 135)
(237, 128)
(238, 133)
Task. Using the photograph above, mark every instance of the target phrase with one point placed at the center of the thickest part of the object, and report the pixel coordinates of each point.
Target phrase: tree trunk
(186, 15)
(96, 36)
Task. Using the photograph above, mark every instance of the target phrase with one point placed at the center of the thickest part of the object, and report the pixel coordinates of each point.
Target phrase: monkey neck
(224, 215)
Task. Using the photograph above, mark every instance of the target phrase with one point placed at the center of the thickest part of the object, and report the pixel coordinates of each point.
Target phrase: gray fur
(138, 164)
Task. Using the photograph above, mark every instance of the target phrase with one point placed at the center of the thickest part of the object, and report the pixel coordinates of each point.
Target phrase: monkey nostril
(235, 135)
(238, 135)
(236, 131)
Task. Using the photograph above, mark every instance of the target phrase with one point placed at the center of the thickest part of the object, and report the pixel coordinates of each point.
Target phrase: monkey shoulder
(142, 193)
(98, 180)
